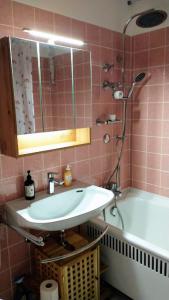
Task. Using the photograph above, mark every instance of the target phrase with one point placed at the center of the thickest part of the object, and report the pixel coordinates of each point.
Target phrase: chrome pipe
(124, 38)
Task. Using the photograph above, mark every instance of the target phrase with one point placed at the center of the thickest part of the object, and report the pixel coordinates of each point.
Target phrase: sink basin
(59, 211)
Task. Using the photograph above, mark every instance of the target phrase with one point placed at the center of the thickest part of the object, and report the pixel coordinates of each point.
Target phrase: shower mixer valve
(112, 85)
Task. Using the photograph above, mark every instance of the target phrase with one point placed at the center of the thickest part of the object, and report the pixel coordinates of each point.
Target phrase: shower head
(151, 18)
(137, 79)
(119, 94)
(145, 19)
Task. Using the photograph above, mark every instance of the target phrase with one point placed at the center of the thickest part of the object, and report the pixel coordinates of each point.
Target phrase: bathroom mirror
(52, 86)
(57, 87)
(26, 86)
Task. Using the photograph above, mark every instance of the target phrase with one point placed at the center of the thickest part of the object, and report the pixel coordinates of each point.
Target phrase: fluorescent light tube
(53, 37)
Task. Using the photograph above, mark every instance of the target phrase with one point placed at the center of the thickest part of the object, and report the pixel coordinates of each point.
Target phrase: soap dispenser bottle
(67, 176)
(29, 187)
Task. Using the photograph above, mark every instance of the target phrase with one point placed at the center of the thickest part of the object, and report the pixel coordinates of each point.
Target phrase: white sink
(60, 211)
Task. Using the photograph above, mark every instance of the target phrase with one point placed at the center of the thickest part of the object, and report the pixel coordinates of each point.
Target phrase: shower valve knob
(107, 67)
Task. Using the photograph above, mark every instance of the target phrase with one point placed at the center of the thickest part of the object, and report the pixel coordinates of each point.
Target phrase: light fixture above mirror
(53, 37)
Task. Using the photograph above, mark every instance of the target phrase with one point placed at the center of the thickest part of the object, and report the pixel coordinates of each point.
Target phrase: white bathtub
(138, 256)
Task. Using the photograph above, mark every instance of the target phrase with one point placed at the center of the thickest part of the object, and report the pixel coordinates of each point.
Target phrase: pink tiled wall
(150, 125)
(91, 163)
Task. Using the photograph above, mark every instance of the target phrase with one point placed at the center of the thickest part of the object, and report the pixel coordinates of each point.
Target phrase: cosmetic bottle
(67, 176)
(29, 187)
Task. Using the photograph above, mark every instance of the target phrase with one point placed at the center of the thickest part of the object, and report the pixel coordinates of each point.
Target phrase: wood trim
(8, 137)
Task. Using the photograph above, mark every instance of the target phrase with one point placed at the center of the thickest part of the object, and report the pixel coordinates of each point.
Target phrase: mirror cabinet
(45, 88)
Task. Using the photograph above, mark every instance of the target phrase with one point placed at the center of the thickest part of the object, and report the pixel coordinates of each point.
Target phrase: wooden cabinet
(43, 89)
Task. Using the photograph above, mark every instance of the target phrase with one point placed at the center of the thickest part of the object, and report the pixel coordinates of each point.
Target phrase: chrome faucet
(52, 181)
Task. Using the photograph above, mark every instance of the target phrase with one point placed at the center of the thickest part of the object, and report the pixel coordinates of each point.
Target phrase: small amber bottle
(67, 176)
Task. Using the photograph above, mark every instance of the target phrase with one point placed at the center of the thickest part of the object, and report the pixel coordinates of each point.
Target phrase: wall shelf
(107, 122)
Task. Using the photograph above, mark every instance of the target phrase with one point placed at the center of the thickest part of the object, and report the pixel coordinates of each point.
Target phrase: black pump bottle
(29, 187)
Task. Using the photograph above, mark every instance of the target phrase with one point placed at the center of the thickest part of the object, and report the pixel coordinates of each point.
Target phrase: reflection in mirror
(52, 87)
(82, 88)
(56, 79)
(26, 86)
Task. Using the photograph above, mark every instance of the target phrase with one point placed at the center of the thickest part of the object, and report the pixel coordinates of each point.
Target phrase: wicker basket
(78, 278)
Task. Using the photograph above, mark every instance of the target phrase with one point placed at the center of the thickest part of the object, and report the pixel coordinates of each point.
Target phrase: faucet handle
(51, 175)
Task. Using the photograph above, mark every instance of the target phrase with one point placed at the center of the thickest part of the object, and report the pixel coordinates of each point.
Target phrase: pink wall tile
(166, 93)
(18, 252)
(141, 42)
(67, 156)
(155, 93)
(165, 128)
(141, 59)
(13, 237)
(4, 260)
(165, 145)
(156, 75)
(165, 163)
(117, 40)
(167, 55)
(6, 30)
(139, 127)
(44, 20)
(23, 15)
(106, 37)
(153, 177)
(140, 111)
(5, 281)
(139, 158)
(96, 166)
(82, 153)
(82, 169)
(165, 179)
(166, 74)
(155, 111)
(152, 188)
(140, 94)
(33, 163)
(153, 161)
(154, 128)
(139, 174)
(62, 25)
(78, 30)
(92, 34)
(157, 57)
(51, 159)
(138, 184)
(12, 188)
(4, 242)
(139, 142)
(157, 38)
(165, 111)
(6, 9)
(154, 144)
